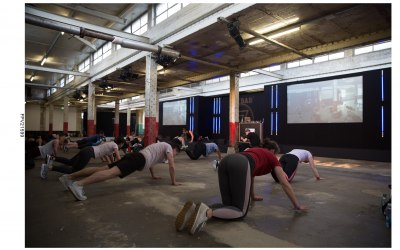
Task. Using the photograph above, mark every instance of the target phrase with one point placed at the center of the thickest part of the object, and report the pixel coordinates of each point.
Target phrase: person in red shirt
(236, 174)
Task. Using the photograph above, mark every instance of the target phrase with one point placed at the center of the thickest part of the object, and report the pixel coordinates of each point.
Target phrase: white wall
(32, 118)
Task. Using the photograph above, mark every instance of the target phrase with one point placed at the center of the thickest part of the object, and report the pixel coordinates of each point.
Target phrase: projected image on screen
(174, 113)
(332, 101)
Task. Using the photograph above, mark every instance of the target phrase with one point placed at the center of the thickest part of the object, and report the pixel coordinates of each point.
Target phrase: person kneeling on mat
(236, 174)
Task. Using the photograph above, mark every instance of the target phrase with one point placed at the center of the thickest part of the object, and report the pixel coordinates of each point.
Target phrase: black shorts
(129, 163)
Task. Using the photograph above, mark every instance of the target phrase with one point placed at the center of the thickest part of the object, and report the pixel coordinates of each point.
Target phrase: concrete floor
(344, 209)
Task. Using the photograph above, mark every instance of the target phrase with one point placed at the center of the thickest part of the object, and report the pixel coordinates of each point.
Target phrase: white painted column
(91, 114)
(66, 110)
(233, 109)
(150, 130)
(116, 119)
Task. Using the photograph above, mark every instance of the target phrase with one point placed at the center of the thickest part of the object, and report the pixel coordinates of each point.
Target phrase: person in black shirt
(251, 140)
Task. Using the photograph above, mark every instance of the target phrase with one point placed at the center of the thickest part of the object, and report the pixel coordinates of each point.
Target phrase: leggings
(196, 150)
(289, 165)
(76, 163)
(234, 177)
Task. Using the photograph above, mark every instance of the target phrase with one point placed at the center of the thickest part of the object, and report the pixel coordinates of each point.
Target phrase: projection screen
(174, 113)
(331, 101)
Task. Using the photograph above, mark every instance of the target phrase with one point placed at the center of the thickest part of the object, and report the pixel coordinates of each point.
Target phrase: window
(140, 25)
(84, 66)
(382, 46)
(97, 56)
(305, 62)
(319, 59)
(62, 82)
(54, 89)
(335, 56)
(165, 10)
(371, 48)
(273, 68)
(102, 53)
(70, 78)
(107, 49)
(293, 64)
(363, 50)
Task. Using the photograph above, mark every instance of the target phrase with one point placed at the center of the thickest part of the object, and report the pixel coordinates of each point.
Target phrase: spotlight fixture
(234, 31)
(78, 96)
(127, 74)
(105, 85)
(165, 60)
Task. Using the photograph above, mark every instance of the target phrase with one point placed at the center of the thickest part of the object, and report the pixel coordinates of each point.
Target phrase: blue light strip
(214, 107)
(382, 122)
(276, 96)
(213, 125)
(382, 89)
(272, 123)
(276, 123)
(272, 97)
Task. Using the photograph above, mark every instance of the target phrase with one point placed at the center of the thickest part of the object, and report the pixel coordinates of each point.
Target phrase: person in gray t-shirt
(131, 162)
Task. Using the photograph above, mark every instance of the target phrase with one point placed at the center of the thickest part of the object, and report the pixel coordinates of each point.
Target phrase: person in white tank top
(291, 160)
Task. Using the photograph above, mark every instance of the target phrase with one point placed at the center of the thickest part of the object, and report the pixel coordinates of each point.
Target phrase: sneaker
(49, 160)
(198, 218)
(77, 191)
(65, 181)
(44, 170)
(215, 165)
(184, 215)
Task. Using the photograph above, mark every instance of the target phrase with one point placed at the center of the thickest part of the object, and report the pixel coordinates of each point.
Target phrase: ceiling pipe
(82, 32)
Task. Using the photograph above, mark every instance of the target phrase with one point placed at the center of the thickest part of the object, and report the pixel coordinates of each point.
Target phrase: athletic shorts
(129, 163)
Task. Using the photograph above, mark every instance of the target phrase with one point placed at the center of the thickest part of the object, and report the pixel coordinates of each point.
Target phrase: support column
(128, 121)
(91, 129)
(150, 103)
(42, 118)
(157, 112)
(79, 120)
(139, 122)
(116, 119)
(66, 110)
(233, 109)
(51, 111)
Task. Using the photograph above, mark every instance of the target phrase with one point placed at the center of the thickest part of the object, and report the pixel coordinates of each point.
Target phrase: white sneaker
(44, 170)
(49, 160)
(215, 165)
(198, 218)
(184, 215)
(77, 191)
(65, 181)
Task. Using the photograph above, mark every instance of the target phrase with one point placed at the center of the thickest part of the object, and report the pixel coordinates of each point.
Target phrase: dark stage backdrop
(344, 140)
(341, 140)
(105, 123)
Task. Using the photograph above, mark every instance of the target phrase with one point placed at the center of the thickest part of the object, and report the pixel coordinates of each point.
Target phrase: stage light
(234, 31)
(127, 74)
(105, 85)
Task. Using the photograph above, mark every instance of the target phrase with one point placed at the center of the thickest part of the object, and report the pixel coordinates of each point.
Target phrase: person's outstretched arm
(314, 168)
(288, 189)
(171, 164)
